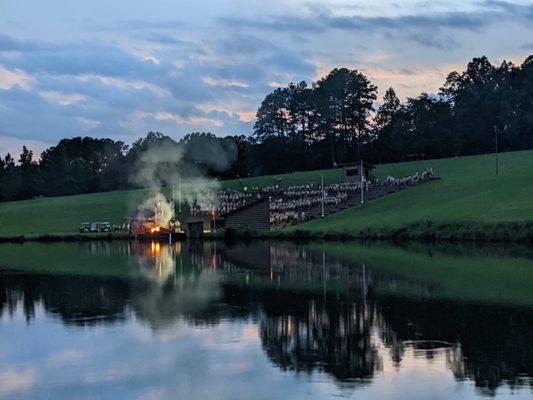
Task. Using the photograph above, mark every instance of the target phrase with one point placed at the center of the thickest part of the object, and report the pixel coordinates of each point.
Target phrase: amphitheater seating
(300, 203)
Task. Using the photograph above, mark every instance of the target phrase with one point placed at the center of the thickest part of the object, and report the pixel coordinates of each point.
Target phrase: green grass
(482, 277)
(463, 274)
(295, 178)
(62, 215)
(490, 275)
(67, 258)
(469, 192)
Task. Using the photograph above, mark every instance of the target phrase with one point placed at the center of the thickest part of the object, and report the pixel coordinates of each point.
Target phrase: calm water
(264, 321)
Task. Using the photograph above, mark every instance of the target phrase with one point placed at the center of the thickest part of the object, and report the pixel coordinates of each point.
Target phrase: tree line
(309, 126)
(335, 120)
(86, 165)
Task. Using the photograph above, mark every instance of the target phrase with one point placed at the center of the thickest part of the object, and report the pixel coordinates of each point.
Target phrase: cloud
(209, 69)
(323, 22)
(14, 381)
(10, 78)
(65, 99)
(223, 82)
(142, 24)
(123, 95)
(67, 357)
(125, 84)
(513, 9)
(162, 38)
(14, 145)
(78, 58)
(423, 28)
(441, 42)
(8, 43)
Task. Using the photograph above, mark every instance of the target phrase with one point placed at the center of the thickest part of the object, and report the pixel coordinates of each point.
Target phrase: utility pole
(333, 151)
(324, 272)
(361, 172)
(179, 194)
(496, 148)
(322, 184)
(364, 286)
(173, 203)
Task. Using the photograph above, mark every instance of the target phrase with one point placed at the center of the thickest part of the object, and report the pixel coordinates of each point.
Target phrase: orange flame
(155, 229)
(156, 248)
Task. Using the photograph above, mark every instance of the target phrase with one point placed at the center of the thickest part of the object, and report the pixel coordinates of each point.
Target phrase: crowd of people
(226, 201)
(294, 204)
(287, 206)
(409, 180)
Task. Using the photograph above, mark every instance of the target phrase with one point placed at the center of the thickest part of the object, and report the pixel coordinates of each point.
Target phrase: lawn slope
(62, 215)
(468, 192)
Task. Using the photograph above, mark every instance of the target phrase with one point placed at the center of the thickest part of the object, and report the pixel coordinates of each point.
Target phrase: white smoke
(201, 191)
(163, 164)
(157, 208)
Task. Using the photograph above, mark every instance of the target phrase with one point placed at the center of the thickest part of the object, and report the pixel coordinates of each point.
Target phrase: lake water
(265, 321)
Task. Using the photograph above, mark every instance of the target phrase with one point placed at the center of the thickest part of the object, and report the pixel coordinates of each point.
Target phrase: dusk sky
(121, 68)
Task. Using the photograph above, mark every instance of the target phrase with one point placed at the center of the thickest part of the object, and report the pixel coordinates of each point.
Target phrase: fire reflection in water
(156, 262)
(173, 288)
(310, 311)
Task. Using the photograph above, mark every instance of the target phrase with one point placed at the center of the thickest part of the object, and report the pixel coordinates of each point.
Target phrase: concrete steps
(353, 201)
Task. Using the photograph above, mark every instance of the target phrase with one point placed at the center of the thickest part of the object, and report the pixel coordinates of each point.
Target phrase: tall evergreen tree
(28, 172)
(272, 118)
(388, 132)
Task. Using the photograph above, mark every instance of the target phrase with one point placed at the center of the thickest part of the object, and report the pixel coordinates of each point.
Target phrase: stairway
(354, 200)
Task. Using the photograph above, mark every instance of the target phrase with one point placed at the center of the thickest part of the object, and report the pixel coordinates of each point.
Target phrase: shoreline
(426, 232)
(431, 232)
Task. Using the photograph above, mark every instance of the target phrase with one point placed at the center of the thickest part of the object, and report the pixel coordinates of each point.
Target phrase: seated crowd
(410, 180)
(287, 206)
(293, 204)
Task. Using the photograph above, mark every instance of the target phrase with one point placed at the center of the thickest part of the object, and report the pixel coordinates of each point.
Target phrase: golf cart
(95, 227)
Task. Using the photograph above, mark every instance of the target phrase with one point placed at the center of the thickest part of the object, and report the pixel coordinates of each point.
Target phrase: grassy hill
(62, 215)
(468, 192)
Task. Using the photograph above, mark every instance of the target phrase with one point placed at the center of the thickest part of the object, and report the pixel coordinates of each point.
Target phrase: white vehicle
(93, 227)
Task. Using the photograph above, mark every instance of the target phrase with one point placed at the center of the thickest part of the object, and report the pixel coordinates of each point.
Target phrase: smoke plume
(165, 163)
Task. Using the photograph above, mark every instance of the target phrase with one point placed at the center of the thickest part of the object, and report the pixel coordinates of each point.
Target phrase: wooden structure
(254, 216)
(194, 229)
(352, 173)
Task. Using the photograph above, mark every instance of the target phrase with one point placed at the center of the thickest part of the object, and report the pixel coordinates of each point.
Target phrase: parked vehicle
(95, 227)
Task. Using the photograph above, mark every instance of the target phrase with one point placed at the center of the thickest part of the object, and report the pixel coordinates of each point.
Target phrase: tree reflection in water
(313, 311)
(332, 337)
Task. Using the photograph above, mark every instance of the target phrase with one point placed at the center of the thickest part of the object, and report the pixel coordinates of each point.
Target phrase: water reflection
(315, 310)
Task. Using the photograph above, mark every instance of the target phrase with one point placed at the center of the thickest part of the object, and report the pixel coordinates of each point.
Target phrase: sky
(122, 68)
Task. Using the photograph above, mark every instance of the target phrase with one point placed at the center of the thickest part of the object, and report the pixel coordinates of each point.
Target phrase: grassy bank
(62, 215)
(469, 201)
(457, 273)
(450, 274)
(465, 232)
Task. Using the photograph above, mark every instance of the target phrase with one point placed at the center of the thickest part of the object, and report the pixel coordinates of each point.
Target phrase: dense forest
(308, 126)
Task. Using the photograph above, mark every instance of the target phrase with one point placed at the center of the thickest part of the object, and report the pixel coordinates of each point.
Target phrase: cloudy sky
(124, 67)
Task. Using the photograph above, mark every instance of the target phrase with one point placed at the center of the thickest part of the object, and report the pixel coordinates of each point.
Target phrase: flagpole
(173, 203)
(179, 194)
(322, 184)
(361, 175)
